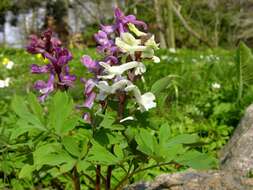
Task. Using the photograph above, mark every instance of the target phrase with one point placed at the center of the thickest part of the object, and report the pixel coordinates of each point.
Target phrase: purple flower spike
(50, 48)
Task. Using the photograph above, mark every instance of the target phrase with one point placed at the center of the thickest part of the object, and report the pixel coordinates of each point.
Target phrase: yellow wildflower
(5, 61)
(40, 57)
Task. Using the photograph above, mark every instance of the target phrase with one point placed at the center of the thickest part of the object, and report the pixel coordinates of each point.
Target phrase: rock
(195, 180)
(237, 155)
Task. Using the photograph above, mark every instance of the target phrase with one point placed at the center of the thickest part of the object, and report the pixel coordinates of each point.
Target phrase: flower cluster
(50, 48)
(123, 47)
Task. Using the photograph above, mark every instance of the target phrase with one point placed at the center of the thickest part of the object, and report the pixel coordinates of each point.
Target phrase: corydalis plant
(58, 70)
(124, 48)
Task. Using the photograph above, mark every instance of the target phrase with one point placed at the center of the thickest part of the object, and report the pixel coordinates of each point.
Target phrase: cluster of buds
(50, 48)
(123, 47)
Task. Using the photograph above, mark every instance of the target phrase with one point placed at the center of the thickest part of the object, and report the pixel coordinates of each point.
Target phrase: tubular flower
(145, 101)
(118, 70)
(123, 47)
(58, 57)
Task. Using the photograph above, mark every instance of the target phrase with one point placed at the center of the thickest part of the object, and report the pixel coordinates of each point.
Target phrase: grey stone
(237, 155)
(196, 180)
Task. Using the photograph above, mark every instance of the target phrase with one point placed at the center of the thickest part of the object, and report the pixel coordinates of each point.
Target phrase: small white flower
(145, 101)
(9, 65)
(164, 57)
(156, 59)
(194, 60)
(118, 70)
(176, 59)
(152, 44)
(128, 44)
(216, 85)
(4, 83)
(172, 50)
(106, 89)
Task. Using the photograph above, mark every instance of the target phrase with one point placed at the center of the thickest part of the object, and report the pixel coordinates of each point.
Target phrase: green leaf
(35, 106)
(197, 160)
(118, 150)
(172, 152)
(184, 139)
(67, 167)
(70, 124)
(24, 127)
(162, 84)
(20, 108)
(146, 142)
(51, 154)
(60, 109)
(164, 134)
(244, 62)
(101, 155)
(107, 121)
(71, 145)
(26, 171)
(83, 165)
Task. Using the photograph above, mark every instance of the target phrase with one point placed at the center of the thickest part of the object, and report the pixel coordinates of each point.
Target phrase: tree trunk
(159, 21)
(170, 34)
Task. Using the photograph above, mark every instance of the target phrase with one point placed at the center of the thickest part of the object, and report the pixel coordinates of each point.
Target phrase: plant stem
(108, 178)
(121, 107)
(109, 173)
(76, 179)
(98, 169)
